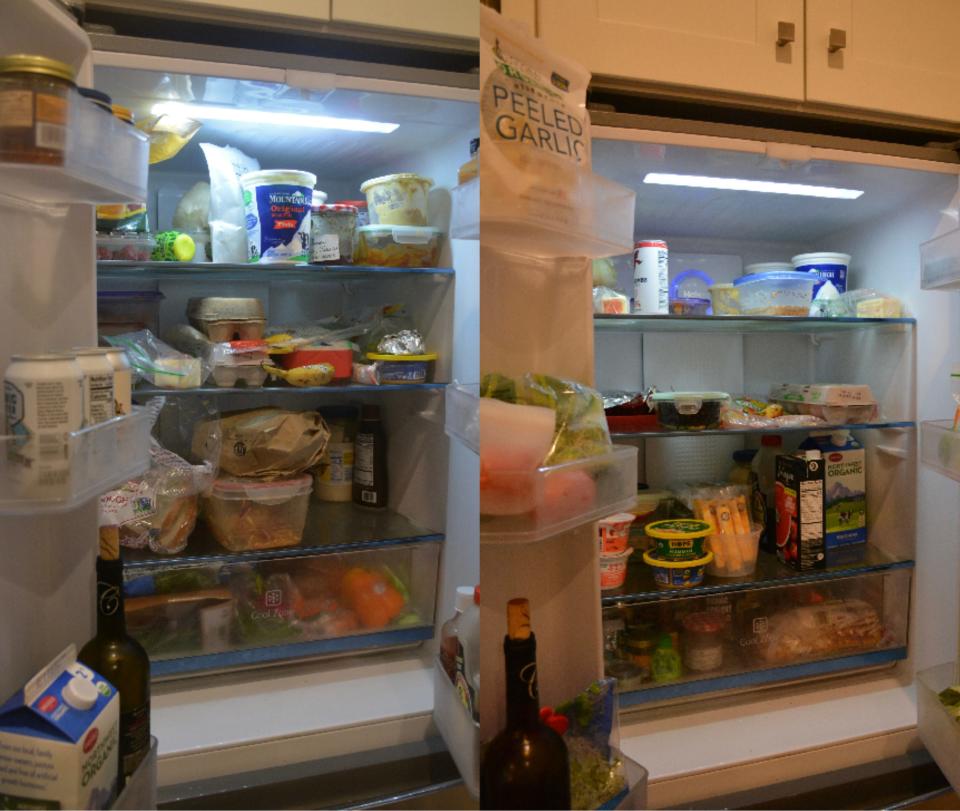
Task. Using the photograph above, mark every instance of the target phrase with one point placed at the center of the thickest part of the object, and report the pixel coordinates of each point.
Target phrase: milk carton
(58, 739)
(844, 495)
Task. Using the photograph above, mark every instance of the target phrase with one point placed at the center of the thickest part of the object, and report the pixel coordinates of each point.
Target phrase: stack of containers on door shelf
(547, 468)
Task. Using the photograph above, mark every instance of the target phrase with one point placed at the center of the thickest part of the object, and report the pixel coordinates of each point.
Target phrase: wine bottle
(119, 658)
(526, 764)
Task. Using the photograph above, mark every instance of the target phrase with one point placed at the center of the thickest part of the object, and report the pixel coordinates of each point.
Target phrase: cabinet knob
(837, 41)
(786, 33)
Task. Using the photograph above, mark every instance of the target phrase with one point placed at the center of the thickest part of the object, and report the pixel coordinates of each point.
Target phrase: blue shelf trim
(294, 650)
(756, 678)
(276, 554)
(215, 391)
(787, 429)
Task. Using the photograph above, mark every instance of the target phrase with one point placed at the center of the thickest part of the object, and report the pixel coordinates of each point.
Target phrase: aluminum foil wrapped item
(404, 342)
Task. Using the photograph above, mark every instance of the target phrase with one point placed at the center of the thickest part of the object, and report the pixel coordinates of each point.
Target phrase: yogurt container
(763, 267)
(277, 204)
(829, 267)
(613, 570)
(677, 574)
(397, 199)
(613, 533)
(725, 298)
(679, 538)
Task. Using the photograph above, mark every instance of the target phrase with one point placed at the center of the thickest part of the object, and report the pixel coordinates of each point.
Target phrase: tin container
(227, 319)
(651, 281)
(35, 93)
(98, 402)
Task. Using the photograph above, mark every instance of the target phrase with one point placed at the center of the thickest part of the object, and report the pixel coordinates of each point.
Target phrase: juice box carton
(799, 511)
(844, 495)
(59, 738)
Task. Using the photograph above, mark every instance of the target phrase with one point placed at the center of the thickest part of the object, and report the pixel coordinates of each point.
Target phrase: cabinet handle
(838, 40)
(786, 33)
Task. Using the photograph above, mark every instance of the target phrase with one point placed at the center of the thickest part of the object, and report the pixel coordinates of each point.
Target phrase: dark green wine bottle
(119, 658)
(526, 765)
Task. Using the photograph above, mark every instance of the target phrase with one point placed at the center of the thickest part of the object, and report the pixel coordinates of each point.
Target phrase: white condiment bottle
(122, 380)
(98, 403)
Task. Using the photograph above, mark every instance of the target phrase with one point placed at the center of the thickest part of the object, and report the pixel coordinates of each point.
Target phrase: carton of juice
(58, 739)
(799, 511)
(844, 495)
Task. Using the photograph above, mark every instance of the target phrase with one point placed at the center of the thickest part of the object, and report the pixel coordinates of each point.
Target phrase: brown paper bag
(267, 443)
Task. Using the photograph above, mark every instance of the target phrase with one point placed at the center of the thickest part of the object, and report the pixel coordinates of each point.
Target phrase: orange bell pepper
(372, 596)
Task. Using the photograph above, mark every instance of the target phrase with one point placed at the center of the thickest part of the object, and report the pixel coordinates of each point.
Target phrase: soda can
(651, 280)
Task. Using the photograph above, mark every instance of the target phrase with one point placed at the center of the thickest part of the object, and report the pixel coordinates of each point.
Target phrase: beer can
(651, 280)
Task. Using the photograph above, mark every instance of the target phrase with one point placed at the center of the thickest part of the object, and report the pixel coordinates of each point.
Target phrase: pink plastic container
(613, 533)
(613, 570)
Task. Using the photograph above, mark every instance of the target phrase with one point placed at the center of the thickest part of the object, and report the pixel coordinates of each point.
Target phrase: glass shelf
(792, 429)
(940, 447)
(286, 271)
(939, 730)
(744, 324)
(770, 573)
(331, 528)
(217, 391)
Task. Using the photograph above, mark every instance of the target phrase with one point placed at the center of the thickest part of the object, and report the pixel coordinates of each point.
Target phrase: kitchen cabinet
(884, 59)
(688, 43)
(314, 10)
(452, 18)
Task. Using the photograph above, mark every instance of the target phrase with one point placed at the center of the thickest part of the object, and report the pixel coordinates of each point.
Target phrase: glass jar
(703, 641)
(34, 98)
(332, 227)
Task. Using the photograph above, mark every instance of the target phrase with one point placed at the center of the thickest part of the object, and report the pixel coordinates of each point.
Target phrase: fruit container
(689, 410)
(613, 533)
(339, 357)
(410, 369)
(120, 311)
(122, 247)
(725, 298)
(227, 319)
(397, 246)
(613, 570)
(735, 554)
(776, 292)
(677, 574)
(245, 514)
(397, 199)
(679, 539)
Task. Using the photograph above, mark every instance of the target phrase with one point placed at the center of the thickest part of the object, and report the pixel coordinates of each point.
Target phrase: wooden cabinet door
(314, 10)
(452, 18)
(730, 45)
(887, 55)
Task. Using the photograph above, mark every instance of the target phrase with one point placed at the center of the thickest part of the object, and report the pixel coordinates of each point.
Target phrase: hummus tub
(677, 574)
(679, 538)
(277, 205)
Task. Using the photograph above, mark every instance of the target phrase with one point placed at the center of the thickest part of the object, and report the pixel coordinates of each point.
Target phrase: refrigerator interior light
(739, 184)
(212, 112)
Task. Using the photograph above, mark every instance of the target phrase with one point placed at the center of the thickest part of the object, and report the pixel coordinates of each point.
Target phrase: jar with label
(34, 103)
(703, 641)
(639, 643)
(98, 402)
(333, 478)
(332, 227)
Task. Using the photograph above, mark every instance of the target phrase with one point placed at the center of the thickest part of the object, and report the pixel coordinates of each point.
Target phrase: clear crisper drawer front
(214, 614)
(526, 506)
(46, 475)
(940, 447)
(668, 649)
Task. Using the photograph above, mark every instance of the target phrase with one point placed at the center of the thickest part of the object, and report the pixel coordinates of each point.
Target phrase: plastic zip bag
(228, 230)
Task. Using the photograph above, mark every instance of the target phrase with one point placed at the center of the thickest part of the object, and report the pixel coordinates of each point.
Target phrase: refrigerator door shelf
(140, 790)
(70, 472)
(462, 416)
(940, 262)
(460, 732)
(940, 447)
(939, 730)
(551, 500)
(104, 161)
(465, 215)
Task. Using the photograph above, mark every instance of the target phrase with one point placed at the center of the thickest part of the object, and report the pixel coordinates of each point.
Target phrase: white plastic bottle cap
(464, 598)
(80, 693)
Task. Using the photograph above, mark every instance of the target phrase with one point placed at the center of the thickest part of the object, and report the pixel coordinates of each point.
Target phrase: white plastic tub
(397, 199)
(828, 267)
(277, 203)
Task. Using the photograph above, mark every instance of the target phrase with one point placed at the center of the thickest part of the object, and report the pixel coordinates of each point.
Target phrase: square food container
(689, 410)
(410, 369)
(227, 319)
(120, 311)
(398, 246)
(245, 514)
(776, 292)
(132, 247)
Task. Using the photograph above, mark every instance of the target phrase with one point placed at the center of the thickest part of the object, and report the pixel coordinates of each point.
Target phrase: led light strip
(739, 184)
(210, 112)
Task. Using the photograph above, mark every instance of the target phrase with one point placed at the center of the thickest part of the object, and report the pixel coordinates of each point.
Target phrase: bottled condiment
(471, 168)
(98, 402)
(370, 460)
(333, 478)
(741, 472)
(703, 641)
(122, 380)
(764, 467)
(468, 655)
(666, 661)
(526, 765)
(449, 637)
(34, 104)
(119, 658)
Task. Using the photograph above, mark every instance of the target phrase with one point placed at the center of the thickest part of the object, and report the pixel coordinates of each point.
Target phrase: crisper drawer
(671, 648)
(209, 614)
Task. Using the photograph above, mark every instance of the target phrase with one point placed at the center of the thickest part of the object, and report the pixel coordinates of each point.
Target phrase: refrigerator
(282, 683)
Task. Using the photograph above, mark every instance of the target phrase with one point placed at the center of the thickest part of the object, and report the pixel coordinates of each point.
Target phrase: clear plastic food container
(398, 246)
(412, 369)
(734, 554)
(130, 247)
(398, 199)
(246, 514)
(725, 298)
(689, 410)
(777, 292)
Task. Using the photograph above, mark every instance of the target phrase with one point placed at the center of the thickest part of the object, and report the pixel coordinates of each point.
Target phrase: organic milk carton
(58, 739)
(844, 495)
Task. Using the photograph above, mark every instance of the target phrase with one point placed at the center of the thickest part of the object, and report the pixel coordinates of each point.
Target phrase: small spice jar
(703, 641)
(34, 99)
(332, 226)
